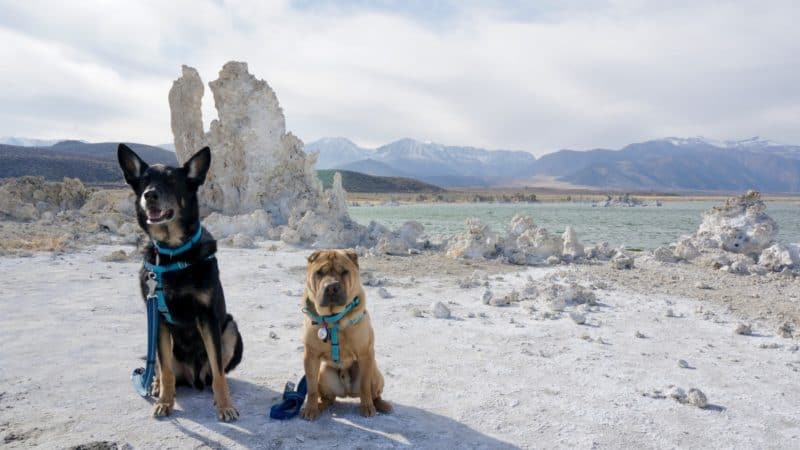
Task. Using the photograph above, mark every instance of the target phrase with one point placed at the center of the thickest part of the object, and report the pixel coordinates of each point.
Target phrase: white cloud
(568, 74)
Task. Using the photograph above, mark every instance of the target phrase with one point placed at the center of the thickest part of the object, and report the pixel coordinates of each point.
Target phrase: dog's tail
(238, 348)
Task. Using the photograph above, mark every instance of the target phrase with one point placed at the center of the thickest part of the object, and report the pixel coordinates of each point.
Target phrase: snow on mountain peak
(754, 141)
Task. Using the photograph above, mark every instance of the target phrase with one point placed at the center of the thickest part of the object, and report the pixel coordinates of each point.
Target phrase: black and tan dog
(198, 341)
(339, 355)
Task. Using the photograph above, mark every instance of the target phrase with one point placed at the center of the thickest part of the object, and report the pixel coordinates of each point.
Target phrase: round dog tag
(322, 333)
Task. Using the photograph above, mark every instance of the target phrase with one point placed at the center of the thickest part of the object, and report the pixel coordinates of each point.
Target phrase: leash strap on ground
(142, 377)
(292, 401)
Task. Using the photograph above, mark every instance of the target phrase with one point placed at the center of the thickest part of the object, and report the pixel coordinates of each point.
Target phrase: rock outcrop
(32, 198)
(524, 243)
(780, 256)
(737, 237)
(741, 225)
(573, 249)
(533, 246)
(255, 163)
(477, 242)
(261, 182)
(622, 261)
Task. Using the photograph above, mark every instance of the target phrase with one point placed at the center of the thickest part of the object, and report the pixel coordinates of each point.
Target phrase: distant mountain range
(669, 164)
(663, 164)
(94, 163)
(437, 164)
(681, 164)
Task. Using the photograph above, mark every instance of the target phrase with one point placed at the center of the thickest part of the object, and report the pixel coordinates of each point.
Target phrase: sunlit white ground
(72, 328)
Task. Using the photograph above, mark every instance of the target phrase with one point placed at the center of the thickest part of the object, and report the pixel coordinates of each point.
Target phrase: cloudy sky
(561, 74)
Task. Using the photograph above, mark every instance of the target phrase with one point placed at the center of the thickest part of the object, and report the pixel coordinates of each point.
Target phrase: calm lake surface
(645, 227)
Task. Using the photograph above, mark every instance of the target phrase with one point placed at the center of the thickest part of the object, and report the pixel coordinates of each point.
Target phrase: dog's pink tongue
(154, 214)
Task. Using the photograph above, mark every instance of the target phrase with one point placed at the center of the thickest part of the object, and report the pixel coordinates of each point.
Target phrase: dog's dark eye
(320, 273)
(344, 273)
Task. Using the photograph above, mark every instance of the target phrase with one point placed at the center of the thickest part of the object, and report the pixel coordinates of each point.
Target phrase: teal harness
(329, 325)
(157, 271)
(157, 305)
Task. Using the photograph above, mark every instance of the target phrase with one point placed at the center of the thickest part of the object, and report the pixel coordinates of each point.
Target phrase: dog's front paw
(227, 414)
(310, 412)
(367, 409)
(162, 409)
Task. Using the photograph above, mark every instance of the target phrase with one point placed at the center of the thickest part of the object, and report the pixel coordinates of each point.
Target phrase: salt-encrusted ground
(73, 327)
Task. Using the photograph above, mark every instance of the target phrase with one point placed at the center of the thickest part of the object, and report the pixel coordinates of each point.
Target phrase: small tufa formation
(529, 244)
(557, 295)
(622, 261)
(737, 237)
(697, 398)
(694, 397)
(780, 256)
(744, 329)
(786, 330)
(664, 254)
(572, 249)
(440, 310)
(602, 251)
(740, 226)
(477, 242)
(524, 244)
(409, 237)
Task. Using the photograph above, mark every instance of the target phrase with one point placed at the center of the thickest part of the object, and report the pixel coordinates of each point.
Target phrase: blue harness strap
(156, 274)
(142, 377)
(331, 324)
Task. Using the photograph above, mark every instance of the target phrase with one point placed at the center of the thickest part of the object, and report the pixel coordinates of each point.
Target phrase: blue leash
(292, 401)
(142, 377)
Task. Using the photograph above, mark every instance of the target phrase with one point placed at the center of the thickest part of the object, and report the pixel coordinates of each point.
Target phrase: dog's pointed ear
(197, 166)
(132, 166)
(313, 257)
(352, 255)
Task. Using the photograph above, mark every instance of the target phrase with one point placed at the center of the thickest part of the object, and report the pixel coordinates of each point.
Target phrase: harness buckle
(151, 283)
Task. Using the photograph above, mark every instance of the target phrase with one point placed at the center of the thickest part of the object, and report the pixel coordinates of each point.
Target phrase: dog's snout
(151, 195)
(333, 289)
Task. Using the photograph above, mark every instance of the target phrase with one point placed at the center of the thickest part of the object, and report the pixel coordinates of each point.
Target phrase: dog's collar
(329, 325)
(163, 250)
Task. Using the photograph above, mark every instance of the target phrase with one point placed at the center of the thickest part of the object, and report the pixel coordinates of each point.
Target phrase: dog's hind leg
(232, 346)
(366, 377)
(377, 389)
(166, 385)
(212, 339)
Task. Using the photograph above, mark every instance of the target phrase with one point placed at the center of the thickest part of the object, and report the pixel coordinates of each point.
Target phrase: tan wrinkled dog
(332, 287)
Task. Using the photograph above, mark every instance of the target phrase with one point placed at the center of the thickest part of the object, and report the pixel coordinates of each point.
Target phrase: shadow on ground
(406, 426)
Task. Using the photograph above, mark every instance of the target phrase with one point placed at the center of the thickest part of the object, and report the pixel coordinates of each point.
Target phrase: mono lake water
(645, 227)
